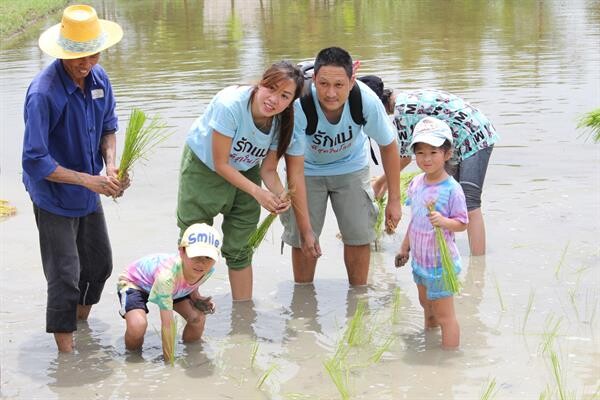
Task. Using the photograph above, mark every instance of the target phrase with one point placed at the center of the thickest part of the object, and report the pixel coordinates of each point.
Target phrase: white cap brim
(202, 250)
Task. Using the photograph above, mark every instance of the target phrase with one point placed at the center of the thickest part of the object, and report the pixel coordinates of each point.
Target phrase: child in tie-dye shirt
(170, 281)
(432, 145)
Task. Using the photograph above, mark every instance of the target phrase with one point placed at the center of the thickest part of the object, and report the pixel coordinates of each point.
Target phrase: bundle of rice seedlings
(259, 234)
(355, 334)
(405, 179)
(449, 278)
(381, 203)
(591, 121)
(140, 139)
(169, 340)
(257, 237)
(6, 210)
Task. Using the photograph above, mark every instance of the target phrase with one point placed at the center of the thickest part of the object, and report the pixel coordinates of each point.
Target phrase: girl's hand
(271, 202)
(401, 257)
(204, 304)
(437, 219)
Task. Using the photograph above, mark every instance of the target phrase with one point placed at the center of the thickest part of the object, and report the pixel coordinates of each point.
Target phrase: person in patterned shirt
(473, 136)
(170, 281)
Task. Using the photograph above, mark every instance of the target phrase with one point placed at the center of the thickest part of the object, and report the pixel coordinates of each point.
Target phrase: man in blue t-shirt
(70, 125)
(337, 166)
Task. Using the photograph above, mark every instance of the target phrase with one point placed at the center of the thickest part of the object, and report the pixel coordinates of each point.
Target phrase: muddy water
(532, 67)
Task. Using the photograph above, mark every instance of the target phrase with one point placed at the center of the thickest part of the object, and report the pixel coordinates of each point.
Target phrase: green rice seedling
(355, 333)
(259, 234)
(405, 179)
(490, 390)
(381, 203)
(396, 303)
(449, 277)
(591, 122)
(338, 375)
(559, 377)
(561, 261)
(550, 333)
(298, 396)
(502, 307)
(572, 292)
(272, 369)
(253, 352)
(545, 394)
(528, 309)
(169, 341)
(382, 349)
(140, 139)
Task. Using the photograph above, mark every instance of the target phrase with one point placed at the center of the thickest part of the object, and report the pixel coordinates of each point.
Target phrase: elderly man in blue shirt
(70, 125)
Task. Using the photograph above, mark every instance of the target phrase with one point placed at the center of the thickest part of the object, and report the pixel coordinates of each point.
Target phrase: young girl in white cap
(432, 146)
(171, 282)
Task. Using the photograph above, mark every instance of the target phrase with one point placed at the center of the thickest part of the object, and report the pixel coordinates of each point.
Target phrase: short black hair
(335, 56)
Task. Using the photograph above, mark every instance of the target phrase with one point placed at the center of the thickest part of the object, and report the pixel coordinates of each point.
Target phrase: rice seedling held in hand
(257, 237)
(381, 203)
(259, 234)
(169, 340)
(591, 121)
(140, 139)
(449, 277)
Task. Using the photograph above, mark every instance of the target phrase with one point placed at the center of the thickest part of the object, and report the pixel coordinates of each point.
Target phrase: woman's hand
(271, 202)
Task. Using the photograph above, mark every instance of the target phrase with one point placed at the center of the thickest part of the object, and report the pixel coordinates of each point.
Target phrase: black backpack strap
(356, 107)
(356, 110)
(310, 111)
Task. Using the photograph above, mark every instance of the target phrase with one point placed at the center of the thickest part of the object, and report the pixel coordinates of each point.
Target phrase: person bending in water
(474, 137)
(170, 281)
(432, 146)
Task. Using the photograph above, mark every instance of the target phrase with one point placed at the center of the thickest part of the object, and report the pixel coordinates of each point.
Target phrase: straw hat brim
(48, 41)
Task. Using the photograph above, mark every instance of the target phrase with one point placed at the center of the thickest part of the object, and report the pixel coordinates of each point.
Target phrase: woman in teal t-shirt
(230, 148)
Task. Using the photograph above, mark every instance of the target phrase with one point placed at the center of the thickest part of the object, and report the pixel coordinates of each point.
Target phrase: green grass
(16, 15)
(339, 376)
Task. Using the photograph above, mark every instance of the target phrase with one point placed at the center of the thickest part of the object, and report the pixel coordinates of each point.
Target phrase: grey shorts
(352, 200)
(470, 173)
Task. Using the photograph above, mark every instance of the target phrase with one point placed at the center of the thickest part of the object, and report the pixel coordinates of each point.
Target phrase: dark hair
(336, 57)
(386, 99)
(281, 71)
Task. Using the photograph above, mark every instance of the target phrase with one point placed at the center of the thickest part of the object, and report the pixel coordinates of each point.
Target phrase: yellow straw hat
(80, 34)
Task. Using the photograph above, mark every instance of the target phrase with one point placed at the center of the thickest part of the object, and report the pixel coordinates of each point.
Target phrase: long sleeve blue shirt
(64, 126)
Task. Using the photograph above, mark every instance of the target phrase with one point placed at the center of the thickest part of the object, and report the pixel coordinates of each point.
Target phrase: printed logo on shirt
(97, 93)
(323, 143)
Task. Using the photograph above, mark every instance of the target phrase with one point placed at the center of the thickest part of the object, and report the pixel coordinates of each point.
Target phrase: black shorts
(135, 299)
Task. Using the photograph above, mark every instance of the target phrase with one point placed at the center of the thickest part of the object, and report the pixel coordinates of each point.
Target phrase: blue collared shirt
(64, 127)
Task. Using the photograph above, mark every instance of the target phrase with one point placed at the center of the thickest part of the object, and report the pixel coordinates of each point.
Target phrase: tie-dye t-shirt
(161, 276)
(471, 129)
(449, 201)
